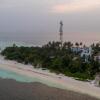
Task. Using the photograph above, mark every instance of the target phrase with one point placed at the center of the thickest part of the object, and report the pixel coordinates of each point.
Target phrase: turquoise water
(6, 74)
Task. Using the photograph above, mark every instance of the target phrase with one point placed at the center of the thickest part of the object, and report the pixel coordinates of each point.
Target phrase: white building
(76, 49)
(85, 52)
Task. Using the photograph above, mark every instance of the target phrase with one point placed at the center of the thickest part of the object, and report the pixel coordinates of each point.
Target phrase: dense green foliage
(55, 58)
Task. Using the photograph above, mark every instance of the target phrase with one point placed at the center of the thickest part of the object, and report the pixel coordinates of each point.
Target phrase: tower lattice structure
(61, 32)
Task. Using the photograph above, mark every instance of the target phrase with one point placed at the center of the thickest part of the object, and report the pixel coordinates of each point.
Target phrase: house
(85, 52)
(97, 57)
(76, 49)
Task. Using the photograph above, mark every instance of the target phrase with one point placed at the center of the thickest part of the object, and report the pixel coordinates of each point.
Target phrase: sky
(37, 21)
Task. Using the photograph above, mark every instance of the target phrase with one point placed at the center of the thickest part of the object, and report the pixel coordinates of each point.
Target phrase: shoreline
(51, 79)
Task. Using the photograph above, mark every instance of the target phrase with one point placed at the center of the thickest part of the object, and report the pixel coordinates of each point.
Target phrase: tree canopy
(51, 56)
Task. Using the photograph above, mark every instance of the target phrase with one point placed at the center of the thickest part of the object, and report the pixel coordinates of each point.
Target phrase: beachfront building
(85, 52)
(97, 57)
(76, 49)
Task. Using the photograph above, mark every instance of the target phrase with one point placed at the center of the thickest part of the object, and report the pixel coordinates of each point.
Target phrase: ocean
(4, 44)
(7, 74)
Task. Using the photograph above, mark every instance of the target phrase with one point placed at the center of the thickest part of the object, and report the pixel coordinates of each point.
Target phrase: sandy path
(51, 79)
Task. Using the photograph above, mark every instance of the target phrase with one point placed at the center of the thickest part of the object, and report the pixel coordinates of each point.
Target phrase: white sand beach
(51, 79)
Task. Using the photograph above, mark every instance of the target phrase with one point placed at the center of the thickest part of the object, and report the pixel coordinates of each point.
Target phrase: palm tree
(65, 45)
(81, 44)
(69, 45)
(77, 44)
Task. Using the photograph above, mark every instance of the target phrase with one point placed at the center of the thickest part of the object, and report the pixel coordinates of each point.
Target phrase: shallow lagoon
(6, 74)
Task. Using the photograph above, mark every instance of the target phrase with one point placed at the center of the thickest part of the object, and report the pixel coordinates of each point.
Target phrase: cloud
(76, 5)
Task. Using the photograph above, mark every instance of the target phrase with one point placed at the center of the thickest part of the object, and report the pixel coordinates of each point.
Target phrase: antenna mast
(61, 33)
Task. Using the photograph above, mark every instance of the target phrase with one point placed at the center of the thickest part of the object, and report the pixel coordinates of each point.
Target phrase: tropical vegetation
(56, 58)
